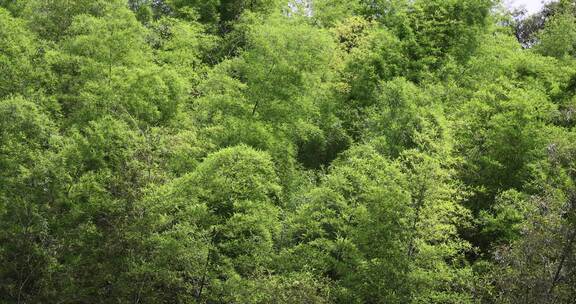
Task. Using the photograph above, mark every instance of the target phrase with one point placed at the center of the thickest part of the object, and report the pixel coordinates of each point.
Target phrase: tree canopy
(276, 151)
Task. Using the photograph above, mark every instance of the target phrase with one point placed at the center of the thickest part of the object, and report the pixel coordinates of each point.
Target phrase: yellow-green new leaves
(228, 206)
(358, 228)
(447, 28)
(503, 131)
(105, 68)
(114, 39)
(275, 95)
(394, 223)
(404, 117)
(184, 47)
(283, 63)
(378, 57)
(438, 271)
(236, 174)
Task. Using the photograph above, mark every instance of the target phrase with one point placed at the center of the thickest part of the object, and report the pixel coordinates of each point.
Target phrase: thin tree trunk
(565, 253)
(206, 267)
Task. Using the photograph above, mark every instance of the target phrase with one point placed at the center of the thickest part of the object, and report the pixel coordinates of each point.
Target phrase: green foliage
(26, 245)
(432, 33)
(329, 13)
(558, 38)
(207, 11)
(222, 12)
(211, 229)
(447, 29)
(52, 19)
(264, 151)
(18, 56)
(353, 228)
(405, 118)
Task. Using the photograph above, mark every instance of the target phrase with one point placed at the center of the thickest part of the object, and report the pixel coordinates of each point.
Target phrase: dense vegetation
(261, 151)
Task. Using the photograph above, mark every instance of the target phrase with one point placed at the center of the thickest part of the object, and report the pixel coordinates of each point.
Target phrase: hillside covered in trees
(275, 151)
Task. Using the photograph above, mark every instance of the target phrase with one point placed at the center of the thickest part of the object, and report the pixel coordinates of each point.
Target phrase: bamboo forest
(287, 151)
